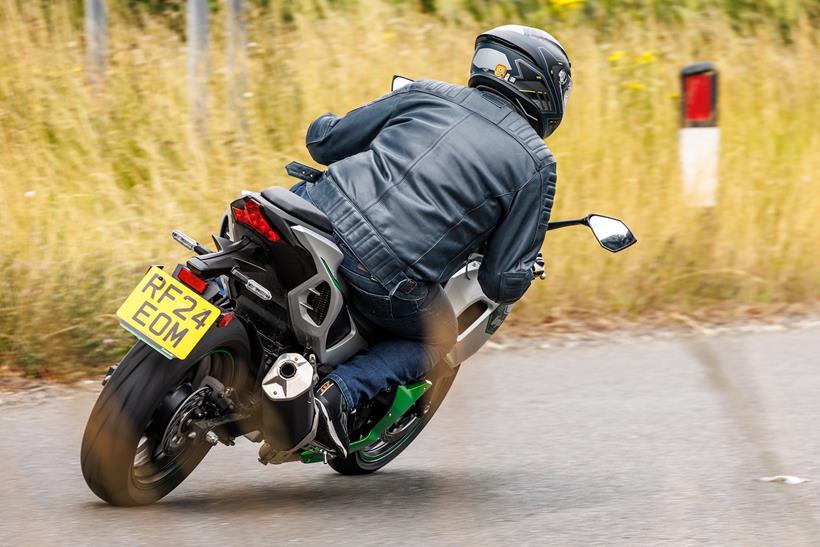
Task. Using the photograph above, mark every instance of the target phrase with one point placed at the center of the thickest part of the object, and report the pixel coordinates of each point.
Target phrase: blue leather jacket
(428, 174)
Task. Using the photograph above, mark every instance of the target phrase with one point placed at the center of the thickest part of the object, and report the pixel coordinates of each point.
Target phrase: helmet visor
(565, 81)
(493, 59)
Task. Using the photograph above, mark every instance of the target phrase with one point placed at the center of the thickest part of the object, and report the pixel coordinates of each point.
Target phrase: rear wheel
(136, 447)
(397, 438)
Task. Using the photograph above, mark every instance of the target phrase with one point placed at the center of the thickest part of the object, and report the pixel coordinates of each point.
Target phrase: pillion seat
(298, 207)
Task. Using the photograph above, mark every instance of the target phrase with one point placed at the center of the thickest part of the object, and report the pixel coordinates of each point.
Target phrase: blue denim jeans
(418, 318)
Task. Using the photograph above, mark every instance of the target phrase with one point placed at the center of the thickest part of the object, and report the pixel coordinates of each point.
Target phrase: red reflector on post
(187, 276)
(699, 95)
(698, 89)
(251, 215)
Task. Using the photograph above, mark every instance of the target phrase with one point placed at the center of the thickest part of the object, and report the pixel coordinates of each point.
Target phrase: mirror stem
(564, 223)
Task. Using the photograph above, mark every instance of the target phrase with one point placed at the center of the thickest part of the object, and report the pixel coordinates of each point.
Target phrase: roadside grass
(93, 179)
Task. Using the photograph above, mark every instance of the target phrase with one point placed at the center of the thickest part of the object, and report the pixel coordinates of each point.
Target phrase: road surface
(612, 443)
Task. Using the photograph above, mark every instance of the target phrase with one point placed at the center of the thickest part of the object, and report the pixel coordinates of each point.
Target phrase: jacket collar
(499, 96)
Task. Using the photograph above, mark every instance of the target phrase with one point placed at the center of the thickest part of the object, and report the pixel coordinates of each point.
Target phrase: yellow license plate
(166, 314)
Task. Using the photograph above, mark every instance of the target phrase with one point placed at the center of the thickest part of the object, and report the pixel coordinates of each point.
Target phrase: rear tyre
(135, 449)
(399, 437)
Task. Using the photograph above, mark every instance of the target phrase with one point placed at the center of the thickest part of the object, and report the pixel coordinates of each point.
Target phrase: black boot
(332, 432)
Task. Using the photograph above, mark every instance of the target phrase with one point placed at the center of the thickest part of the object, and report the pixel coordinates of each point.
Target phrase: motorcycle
(233, 343)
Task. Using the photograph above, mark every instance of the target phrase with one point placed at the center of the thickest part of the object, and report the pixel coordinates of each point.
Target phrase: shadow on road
(407, 488)
(329, 491)
(459, 493)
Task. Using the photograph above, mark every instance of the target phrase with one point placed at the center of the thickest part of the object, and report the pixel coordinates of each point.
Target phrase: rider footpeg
(268, 455)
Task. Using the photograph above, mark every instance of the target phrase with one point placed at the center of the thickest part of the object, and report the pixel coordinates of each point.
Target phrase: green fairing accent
(406, 397)
(496, 318)
(309, 456)
(336, 282)
(332, 277)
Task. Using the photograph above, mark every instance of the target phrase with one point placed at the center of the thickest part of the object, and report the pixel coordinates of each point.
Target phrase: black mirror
(611, 233)
(399, 82)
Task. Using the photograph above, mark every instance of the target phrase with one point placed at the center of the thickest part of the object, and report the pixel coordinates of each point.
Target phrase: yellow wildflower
(616, 56)
(634, 86)
(566, 4)
(646, 58)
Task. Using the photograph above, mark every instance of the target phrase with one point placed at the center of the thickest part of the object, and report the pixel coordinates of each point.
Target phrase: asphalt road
(654, 443)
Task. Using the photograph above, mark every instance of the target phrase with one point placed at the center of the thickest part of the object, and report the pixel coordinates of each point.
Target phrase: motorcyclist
(420, 179)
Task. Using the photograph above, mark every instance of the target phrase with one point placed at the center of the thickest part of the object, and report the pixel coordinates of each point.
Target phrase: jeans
(418, 317)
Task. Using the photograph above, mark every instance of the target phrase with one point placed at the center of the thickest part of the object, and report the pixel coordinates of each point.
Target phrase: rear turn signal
(187, 276)
(251, 215)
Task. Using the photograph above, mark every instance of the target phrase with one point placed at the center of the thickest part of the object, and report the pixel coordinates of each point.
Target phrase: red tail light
(251, 215)
(187, 276)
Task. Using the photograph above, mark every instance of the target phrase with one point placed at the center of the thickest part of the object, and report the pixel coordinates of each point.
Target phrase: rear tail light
(251, 215)
(187, 276)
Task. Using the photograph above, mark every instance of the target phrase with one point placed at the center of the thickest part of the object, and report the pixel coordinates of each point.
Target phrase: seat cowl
(298, 207)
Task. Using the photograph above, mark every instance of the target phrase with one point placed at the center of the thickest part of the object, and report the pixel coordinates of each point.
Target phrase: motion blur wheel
(397, 438)
(165, 448)
(138, 444)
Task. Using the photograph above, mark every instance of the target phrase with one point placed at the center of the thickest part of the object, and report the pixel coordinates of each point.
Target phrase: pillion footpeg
(303, 172)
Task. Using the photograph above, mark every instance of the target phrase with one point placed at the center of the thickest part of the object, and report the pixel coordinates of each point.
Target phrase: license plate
(167, 315)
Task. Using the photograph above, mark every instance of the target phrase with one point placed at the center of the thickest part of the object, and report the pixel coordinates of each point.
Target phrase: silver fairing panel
(327, 257)
(464, 291)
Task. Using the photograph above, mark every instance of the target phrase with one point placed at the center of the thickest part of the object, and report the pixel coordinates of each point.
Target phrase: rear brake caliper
(178, 431)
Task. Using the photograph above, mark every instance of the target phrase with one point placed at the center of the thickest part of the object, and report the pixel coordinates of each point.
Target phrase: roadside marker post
(196, 25)
(95, 23)
(699, 134)
(237, 62)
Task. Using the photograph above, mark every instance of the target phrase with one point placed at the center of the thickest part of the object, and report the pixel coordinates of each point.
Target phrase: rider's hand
(538, 267)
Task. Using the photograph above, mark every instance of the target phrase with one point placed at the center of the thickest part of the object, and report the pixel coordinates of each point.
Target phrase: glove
(538, 267)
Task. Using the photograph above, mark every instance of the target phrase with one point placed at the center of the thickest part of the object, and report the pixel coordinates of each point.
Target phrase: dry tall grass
(93, 181)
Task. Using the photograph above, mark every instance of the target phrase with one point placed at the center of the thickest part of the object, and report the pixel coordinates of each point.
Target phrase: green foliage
(607, 15)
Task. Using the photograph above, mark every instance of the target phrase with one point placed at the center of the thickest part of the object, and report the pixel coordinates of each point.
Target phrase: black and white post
(699, 134)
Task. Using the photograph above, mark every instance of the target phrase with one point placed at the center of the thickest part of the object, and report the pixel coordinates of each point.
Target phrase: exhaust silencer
(289, 418)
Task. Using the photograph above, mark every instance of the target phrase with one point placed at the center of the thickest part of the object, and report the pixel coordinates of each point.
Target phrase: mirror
(399, 82)
(612, 234)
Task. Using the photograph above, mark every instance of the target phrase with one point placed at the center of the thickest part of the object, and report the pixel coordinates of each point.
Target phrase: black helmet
(529, 68)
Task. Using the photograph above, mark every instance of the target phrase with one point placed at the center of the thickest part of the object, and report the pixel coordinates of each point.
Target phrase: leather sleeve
(506, 271)
(331, 138)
